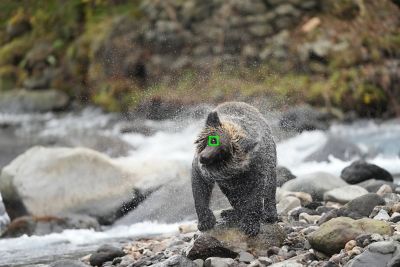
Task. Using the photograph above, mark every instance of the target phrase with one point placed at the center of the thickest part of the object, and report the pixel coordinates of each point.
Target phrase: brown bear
(236, 150)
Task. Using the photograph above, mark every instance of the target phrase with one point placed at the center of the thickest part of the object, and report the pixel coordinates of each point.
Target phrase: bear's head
(222, 142)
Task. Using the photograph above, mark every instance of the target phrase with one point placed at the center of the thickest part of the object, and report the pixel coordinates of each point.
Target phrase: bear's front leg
(251, 218)
(202, 194)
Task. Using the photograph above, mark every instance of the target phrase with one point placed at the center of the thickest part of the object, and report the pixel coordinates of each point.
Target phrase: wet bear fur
(243, 166)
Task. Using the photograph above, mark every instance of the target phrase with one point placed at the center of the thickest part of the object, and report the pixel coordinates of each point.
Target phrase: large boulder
(344, 194)
(270, 235)
(315, 184)
(20, 101)
(4, 218)
(331, 237)
(335, 147)
(378, 254)
(360, 171)
(171, 203)
(303, 118)
(48, 181)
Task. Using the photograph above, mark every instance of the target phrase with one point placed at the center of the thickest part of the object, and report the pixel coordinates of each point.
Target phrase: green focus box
(213, 140)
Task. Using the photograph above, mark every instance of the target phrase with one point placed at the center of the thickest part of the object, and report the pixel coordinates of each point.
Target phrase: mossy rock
(344, 9)
(234, 239)
(18, 24)
(8, 77)
(13, 52)
(20, 100)
(331, 237)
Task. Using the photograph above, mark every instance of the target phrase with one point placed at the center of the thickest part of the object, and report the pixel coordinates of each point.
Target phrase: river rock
(364, 204)
(68, 263)
(336, 147)
(234, 239)
(287, 204)
(378, 254)
(283, 175)
(345, 194)
(382, 215)
(302, 118)
(245, 257)
(206, 246)
(384, 189)
(219, 262)
(49, 181)
(360, 171)
(358, 208)
(171, 203)
(4, 218)
(105, 253)
(174, 261)
(373, 185)
(29, 225)
(305, 198)
(332, 236)
(315, 184)
(23, 101)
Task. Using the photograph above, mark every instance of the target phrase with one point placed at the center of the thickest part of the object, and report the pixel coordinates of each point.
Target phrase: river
(152, 140)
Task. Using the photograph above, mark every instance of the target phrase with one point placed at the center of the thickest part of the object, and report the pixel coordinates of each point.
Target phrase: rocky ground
(324, 220)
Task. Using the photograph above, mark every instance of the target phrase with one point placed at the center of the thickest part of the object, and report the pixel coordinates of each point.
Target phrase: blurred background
(162, 55)
(101, 100)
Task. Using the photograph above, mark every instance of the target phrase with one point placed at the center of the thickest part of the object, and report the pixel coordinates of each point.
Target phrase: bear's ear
(213, 120)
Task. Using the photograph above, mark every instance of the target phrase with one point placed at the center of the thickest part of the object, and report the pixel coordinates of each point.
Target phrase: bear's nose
(204, 160)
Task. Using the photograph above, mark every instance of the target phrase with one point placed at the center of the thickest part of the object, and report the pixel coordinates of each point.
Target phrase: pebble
(396, 207)
(384, 189)
(350, 245)
(313, 219)
(245, 257)
(219, 262)
(382, 215)
(265, 260)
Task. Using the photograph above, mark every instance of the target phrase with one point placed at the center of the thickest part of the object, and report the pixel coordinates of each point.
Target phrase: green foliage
(13, 52)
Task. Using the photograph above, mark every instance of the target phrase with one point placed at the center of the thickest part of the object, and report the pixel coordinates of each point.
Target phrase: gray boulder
(335, 147)
(344, 194)
(20, 101)
(378, 254)
(315, 184)
(360, 171)
(171, 203)
(49, 181)
(303, 118)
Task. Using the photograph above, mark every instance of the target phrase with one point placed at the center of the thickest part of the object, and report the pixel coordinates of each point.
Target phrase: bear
(236, 150)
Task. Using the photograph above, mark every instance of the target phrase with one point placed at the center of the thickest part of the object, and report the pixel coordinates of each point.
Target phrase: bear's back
(246, 116)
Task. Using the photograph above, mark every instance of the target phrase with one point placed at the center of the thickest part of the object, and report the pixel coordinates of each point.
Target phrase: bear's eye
(213, 140)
